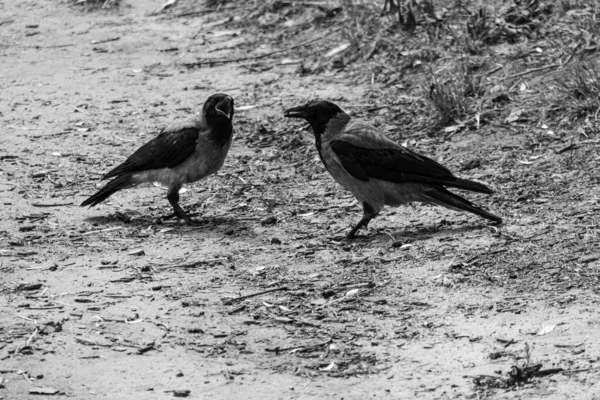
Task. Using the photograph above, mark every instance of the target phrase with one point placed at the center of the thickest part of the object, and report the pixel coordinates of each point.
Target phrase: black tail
(444, 198)
(469, 185)
(121, 182)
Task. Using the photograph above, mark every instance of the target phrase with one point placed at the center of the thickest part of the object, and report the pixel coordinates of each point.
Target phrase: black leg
(173, 197)
(368, 214)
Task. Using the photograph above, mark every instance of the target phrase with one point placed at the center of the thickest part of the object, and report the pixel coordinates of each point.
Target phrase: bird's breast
(359, 188)
(205, 161)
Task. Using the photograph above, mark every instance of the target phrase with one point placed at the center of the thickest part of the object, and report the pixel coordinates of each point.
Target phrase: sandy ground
(111, 303)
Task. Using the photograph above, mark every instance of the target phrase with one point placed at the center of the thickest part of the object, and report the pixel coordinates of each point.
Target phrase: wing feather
(170, 148)
(393, 163)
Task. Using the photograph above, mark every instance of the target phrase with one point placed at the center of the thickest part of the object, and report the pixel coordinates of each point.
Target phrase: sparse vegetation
(448, 99)
(529, 33)
(577, 91)
(521, 373)
(455, 95)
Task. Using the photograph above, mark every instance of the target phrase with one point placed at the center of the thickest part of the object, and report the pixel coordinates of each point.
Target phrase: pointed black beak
(225, 107)
(296, 112)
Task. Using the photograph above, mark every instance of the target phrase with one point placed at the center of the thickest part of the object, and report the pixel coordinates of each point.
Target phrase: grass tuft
(577, 91)
(455, 95)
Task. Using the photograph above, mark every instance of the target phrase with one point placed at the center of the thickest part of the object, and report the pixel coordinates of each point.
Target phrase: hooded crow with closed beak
(182, 153)
(378, 171)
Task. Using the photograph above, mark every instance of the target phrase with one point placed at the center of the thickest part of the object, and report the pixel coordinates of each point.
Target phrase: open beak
(225, 107)
(296, 112)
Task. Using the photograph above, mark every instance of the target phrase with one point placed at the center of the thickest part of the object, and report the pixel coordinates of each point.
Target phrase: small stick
(115, 228)
(105, 40)
(31, 337)
(64, 304)
(24, 375)
(529, 71)
(567, 148)
(51, 205)
(235, 299)
(27, 319)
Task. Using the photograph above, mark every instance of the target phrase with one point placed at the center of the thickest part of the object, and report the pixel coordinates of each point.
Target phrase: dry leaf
(329, 367)
(546, 329)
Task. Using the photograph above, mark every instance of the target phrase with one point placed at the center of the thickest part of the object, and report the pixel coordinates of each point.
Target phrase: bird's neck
(324, 132)
(221, 129)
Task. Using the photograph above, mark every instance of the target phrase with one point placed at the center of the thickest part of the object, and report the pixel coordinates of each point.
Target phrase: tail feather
(470, 185)
(444, 198)
(121, 182)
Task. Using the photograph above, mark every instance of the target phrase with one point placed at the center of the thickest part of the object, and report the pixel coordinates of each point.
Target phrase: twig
(51, 205)
(28, 342)
(498, 68)
(307, 383)
(233, 60)
(567, 148)
(105, 40)
(27, 319)
(299, 348)
(64, 304)
(115, 228)
(529, 71)
(24, 375)
(235, 299)
(88, 342)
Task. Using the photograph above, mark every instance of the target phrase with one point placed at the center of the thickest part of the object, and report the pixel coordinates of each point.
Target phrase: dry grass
(455, 94)
(361, 25)
(448, 99)
(577, 91)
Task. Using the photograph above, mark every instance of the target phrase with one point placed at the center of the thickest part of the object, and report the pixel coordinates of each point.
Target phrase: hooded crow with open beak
(378, 171)
(182, 153)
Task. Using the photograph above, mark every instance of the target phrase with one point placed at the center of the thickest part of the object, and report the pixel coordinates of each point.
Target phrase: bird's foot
(182, 216)
(187, 219)
(352, 234)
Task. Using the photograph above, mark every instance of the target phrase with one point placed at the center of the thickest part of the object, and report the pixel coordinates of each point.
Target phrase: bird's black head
(219, 106)
(317, 113)
(218, 111)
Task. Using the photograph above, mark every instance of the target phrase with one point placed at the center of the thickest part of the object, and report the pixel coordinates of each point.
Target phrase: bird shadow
(136, 219)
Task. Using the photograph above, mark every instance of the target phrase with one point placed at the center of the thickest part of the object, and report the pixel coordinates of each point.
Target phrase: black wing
(167, 150)
(390, 164)
(399, 165)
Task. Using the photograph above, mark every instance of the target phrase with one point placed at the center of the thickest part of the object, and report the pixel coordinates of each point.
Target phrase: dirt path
(108, 303)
